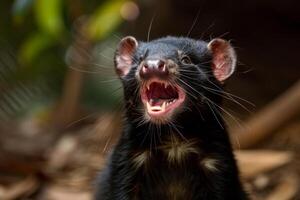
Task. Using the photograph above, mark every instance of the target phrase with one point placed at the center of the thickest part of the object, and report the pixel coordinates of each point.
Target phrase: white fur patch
(141, 159)
(210, 163)
(177, 150)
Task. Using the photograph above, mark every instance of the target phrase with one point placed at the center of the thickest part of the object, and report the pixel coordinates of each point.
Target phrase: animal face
(168, 76)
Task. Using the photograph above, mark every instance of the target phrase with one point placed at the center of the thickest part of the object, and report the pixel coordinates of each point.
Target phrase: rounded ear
(223, 58)
(124, 55)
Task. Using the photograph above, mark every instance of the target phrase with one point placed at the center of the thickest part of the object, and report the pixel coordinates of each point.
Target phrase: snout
(154, 68)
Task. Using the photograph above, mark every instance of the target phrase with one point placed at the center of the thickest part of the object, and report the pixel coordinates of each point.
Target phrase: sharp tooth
(163, 107)
(148, 106)
(148, 86)
(165, 84)
(156, 108)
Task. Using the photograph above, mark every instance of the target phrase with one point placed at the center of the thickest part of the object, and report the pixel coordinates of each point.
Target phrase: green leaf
(105, 20)
(49, 16)
(32, 47)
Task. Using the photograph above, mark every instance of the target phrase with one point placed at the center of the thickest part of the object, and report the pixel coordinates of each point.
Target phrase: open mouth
(161, 98)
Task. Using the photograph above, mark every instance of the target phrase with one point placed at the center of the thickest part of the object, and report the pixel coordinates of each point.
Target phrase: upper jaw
(161, 98)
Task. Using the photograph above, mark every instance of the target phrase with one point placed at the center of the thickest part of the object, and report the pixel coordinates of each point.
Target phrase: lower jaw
(162, 116)
(158, 119)
(158, 116)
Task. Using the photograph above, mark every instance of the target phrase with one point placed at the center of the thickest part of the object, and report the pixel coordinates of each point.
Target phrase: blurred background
(61, 103)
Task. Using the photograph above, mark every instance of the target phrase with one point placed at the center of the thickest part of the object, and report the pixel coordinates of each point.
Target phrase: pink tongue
(156, 102)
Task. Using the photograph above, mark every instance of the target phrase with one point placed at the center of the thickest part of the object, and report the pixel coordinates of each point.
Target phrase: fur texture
(187, 158)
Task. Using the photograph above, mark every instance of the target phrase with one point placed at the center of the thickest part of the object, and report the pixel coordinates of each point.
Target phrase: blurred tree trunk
(269, 119)
(78, 57)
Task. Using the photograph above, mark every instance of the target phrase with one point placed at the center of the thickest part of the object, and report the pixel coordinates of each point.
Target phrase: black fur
(199, 120)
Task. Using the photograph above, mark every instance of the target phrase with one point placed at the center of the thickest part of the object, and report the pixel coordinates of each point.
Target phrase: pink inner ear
(222, 66)
(123, 64)
(124, 56)
(223, 59)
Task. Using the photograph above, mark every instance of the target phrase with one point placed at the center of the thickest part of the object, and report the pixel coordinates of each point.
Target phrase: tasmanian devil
(174, 145)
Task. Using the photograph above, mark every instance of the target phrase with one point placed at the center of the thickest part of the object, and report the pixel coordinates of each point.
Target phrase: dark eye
(186, 60)
(141, 57)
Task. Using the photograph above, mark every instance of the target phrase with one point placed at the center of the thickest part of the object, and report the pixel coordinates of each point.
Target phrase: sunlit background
(61, 103)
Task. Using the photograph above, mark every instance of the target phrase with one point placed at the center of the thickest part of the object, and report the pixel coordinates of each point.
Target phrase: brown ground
(50, 165)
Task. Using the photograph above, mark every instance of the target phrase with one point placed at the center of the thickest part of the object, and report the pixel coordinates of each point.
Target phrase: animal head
(170, 75)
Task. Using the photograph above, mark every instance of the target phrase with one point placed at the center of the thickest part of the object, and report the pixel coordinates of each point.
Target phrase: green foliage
(104, 20)
(42, 31)
(49, 16)
(33, 46)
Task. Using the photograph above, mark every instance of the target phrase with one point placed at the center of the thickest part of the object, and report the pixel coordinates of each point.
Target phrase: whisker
(81, 119)
(109, 80)
(219, 93)
(102, 66)
(205, 31)
(150, 27)
(229, 95)
(222, 35)
(213, 112)
(226, 97)
(224, 110)
(176, 130)
(232, 95)
(193, 24)
(83, 71)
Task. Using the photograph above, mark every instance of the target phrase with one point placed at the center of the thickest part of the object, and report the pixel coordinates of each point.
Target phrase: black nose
(154, 68)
